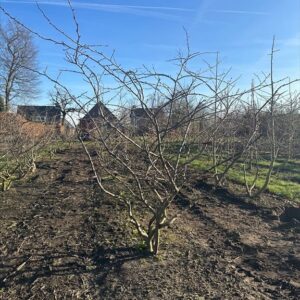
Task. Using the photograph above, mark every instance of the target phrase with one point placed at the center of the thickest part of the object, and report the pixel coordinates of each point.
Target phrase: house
(141, 119)
(98, 118)
(43, 114)
(48, 115)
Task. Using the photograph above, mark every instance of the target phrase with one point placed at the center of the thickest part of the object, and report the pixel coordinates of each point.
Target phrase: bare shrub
(19, 147)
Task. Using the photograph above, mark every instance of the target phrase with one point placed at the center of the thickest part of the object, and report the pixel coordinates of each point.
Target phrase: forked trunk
(153, 239)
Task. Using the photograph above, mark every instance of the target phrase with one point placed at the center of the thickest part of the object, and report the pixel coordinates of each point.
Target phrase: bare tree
(64, 102)
(270, 102)
(291, 120)
(20, 145)
(140, 170)
(18, 60)
(146, 169)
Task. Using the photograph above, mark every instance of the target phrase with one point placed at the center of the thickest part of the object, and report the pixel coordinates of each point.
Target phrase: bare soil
(60, 238)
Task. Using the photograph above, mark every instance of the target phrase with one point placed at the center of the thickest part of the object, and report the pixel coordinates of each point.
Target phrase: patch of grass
(202, 163)
(283, 188)
(278, 186)
(279, 183)
(282, 166)
(49, 150)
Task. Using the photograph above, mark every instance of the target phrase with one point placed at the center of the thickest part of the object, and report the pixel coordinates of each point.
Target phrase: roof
(97, 111)
(38, 110)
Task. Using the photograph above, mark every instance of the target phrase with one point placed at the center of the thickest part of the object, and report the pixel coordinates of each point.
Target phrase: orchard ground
(62, 238)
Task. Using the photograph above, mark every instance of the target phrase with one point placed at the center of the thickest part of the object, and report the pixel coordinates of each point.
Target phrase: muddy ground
(61, 239)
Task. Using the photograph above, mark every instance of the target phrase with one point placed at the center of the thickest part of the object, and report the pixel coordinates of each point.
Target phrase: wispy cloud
(239, 12)
(172, 13)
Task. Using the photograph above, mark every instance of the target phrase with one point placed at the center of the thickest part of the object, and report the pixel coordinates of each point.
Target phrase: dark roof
(98, 110)
(28, 110)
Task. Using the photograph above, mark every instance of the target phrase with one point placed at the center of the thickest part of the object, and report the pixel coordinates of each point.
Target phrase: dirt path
(61, 239)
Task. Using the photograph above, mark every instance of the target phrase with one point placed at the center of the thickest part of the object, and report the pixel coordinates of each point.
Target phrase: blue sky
(150, 32)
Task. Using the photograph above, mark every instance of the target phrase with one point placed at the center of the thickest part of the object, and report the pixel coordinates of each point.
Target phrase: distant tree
(291, 121)
(62, 100)
(18, 61)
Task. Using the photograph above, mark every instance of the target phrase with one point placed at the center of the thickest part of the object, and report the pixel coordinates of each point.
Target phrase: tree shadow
(28, 268)
(224, 196)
